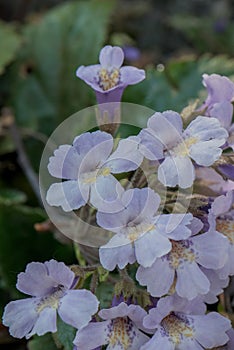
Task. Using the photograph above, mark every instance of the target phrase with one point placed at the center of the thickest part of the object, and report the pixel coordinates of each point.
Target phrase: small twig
(22, 156)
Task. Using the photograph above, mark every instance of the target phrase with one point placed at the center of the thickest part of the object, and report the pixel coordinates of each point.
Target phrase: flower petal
(60, 273)
(77, 307)
(131, 75)
(174, 226)
(207, 152)
(93, 335)
(90, 75)
(20, 316)
(69, 195)
(223, 111)
(191, 281)
(159, 341)
(206, 128)
(46, 322)
(117, 252)
(111, 57)
(152, 277)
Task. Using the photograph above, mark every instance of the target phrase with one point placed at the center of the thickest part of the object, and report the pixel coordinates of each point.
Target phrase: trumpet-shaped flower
(109, 79)
(87, 167)
(181, 266)
(140, 234)
(164, 138)
(121, 329)
(50, 287)
(179, 326)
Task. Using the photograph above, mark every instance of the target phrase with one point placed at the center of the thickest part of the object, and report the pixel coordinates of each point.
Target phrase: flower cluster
(180, 259)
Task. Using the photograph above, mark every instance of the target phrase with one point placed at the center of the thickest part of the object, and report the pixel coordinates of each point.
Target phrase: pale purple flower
(213, 180)
(221, 219)
(109, 79)
(121, 329)
(140, 234)
(179, 326)
(217, 285)
(181, 266)
(50, 286)
(87, 167)
(218, 103)
(165, 139)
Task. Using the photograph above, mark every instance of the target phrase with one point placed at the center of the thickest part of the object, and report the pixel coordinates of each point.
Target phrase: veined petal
(152, 277)
(46, 322)
(158, 341)
(191, 281)
(207, 152)
(174, 226)
(60, 273)
(131, 75)
(90, 75)
(77, 307)
(117, 252)
(20, 316)
(93, 335)
(149, 145)
(151, 246)
(111, 57)
(206, 128)
(69, 195)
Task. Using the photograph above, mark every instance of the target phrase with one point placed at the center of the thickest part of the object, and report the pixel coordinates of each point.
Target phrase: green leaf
(44, 342)
(104, 294)
(9, 44)
(10, 196)
(46, 89)
(65, 334)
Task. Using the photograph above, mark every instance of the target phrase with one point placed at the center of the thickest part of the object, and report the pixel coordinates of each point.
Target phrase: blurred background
(42, 42)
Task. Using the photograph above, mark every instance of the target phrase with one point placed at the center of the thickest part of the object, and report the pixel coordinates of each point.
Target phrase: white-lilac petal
(119, 251)
(191, 281)
(46, 322)
(150, 246)
(149, 145)
(211, 249)
(223, 111)
(20, 316)
(131, 75)
(93, 335)
(205, 153)
(176, 226)
(206, 128)
(69, 195)
(59, 273)
(158, 278)
(29, 282)
(90, 75)
(111, 57)
(158, 341)
(220, 88)
(210, 330)
(77, 307)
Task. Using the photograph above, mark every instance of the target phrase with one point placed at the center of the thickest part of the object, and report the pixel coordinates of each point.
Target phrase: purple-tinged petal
(65, 163)
(176, 171)
(106, 193)
(150, 146)
(137, 314)
(98, 143)
(167, 127)
(117, 252)
(158, 341)
(151, 246)
(60, 273)
(93, 335)
(46, 322)
(20, 316)
(196, 226)
(206, 128)
(174, 226)
(77, 307)
(222, 204)
(120, 310)
(211, 249)
(131, 75)
(90, 75)
(223, 111)
(30, 281)
(207, 152)
(107, 110)
(227, 170)
(191, 281)
(210, 329)
(111, 57)
(220, 88)
(69, 195)
(126, 157)
(216, 285)
(152, 277)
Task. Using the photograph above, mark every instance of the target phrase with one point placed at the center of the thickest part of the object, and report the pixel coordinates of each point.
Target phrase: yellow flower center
(50, 300)
(176, 328)
(180, 252)
(91, 177)
(108, 79)
(134, 232)
(120, 334)
(183, 148)
(226, 227)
